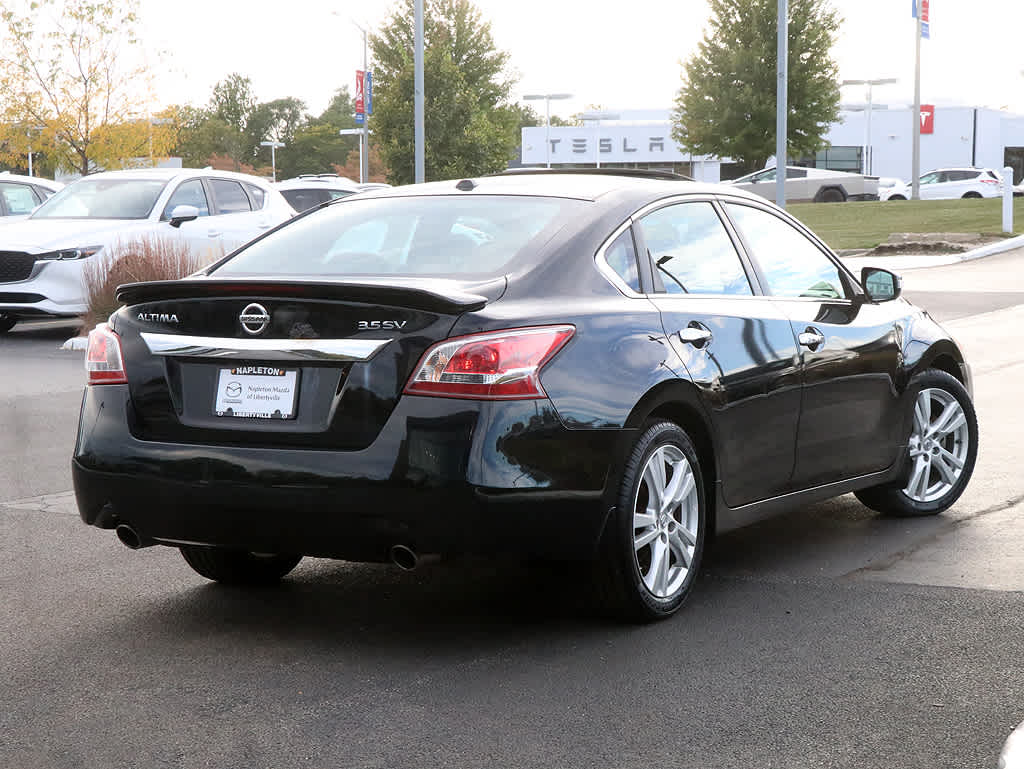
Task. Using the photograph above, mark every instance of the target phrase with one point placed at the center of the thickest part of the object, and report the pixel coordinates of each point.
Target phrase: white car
(19, 195)
(308, 190)
(806, 185)
(43, 257)
(950, 183)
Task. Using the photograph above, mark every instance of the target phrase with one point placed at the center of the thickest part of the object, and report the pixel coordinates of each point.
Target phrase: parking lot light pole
(419, 161)
(867, 162)
(273, 156)
(547, 97)
(781, 106)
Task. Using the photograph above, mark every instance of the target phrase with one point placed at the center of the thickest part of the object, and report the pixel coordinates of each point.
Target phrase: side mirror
(880, 285)
(182, 214)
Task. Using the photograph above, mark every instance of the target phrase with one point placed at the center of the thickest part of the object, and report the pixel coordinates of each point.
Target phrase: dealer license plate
(256, 392)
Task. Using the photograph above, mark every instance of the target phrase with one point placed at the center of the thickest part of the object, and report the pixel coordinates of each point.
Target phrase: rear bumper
(443, 476)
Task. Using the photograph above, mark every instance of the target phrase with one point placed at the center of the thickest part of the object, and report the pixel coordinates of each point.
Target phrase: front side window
(793, 265)
(691, 252)
(18, 197)
(103, 198)
(190, 193)
(932, 178)
(417, 235)
(230, 197)
(621, 257)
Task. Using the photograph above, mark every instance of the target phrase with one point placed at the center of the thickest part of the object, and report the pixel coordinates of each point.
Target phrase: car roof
(7, 176)
(168, 174)
(325, 181)
(592, 187)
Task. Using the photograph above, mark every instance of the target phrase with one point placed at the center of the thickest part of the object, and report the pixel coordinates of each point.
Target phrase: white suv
(19, 195)
(949, 183)
(308, 190)
(43, 257)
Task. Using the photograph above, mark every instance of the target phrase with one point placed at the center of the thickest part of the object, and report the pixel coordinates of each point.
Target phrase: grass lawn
(865, 225)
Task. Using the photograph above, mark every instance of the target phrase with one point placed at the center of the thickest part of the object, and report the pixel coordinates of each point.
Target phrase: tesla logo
(927, 118)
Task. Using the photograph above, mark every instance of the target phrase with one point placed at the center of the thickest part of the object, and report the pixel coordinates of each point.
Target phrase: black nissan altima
(593, 367)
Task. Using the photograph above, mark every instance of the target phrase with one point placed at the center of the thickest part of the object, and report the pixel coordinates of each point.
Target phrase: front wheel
(654, 539)
(7, 322)
(941, 450)
(238, 567)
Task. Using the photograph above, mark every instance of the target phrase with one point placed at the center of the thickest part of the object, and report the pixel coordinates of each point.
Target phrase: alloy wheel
(665, 521)
(939, 444)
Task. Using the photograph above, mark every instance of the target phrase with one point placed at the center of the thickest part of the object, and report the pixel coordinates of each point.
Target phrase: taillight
(990, 181)
(104, 363)
(502, 365)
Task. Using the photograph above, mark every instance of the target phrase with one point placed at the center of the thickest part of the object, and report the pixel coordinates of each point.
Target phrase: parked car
(805, 185)
(42, 258)
(309, 190)
(583, 367)
(19, 195)
(949, 183)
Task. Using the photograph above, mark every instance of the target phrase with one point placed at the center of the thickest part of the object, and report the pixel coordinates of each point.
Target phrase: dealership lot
(826, 637)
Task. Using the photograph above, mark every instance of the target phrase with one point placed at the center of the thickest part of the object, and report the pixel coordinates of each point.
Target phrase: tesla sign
(615, 143)
(927, 118)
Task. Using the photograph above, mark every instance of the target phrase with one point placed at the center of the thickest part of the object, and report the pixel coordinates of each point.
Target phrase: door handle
(695, 334)
(214, 233)
(811, 338)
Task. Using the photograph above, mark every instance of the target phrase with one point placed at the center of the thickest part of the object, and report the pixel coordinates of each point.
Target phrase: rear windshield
(442, 235)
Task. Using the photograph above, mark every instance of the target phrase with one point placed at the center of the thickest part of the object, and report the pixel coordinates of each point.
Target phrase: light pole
(547, 97)
(867, 163)
(782, 103)
(364, 138)
(273, 156)
(28, 133)
(597, 116)
(356, 132)
(419, 127)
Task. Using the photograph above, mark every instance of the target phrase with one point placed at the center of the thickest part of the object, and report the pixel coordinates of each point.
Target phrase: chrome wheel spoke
(918, 484)
(922, 416)
(951, 459)
(946, 471)
(951, 419)
(644, 520)
(646, 538)
(678, 546)
(940, 444)
(657, 575)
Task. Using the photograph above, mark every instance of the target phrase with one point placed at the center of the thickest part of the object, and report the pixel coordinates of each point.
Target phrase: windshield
(441, 236)
(103, 199)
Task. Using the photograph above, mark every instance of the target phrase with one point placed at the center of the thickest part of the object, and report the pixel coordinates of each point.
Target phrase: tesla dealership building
(952, 136)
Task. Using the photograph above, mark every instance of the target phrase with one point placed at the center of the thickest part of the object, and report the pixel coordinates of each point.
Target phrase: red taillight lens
(104, 363)
(502, 365)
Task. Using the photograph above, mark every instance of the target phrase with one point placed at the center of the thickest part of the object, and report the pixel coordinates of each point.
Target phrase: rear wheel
(238, 567)
(972, 194)
(832, 195)
(896, 197)
(7, 322)
(653, 542)
(942, 450)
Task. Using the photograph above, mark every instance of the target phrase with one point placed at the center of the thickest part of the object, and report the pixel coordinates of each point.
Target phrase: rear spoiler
(428, 295)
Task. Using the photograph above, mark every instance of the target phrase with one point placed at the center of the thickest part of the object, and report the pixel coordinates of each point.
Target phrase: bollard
(1008, 200)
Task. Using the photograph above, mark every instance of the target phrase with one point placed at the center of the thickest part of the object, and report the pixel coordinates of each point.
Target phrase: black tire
(896, 197)
(618, 571)
(238, 567)
(832, 195)
(892, 499)
(7, 322)
(971, 195)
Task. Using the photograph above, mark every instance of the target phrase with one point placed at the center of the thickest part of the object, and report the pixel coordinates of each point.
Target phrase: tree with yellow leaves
(68, 80)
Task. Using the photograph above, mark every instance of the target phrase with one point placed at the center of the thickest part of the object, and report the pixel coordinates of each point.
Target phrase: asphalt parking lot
(827, 637)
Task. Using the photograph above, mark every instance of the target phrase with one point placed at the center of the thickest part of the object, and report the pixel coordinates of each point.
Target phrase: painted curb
(991, 249)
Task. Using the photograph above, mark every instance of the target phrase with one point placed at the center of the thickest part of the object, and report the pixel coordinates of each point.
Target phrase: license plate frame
(257, 392)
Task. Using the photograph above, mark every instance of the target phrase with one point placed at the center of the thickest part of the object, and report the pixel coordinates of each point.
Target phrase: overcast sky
(619, 55)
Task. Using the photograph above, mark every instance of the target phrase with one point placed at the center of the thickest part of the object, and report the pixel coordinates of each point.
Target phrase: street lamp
(866, 164)
(273, 156)
(547, 97)
(597, 116)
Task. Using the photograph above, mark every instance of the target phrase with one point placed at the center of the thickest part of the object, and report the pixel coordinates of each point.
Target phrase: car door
(738, 347)
(850, 350)
(197, 233)
(234, 223)
(934, 186)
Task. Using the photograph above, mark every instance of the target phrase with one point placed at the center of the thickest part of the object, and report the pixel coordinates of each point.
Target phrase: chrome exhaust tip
(403, 557)
(131, 538)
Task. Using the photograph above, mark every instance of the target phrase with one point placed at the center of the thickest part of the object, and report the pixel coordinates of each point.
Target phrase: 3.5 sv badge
(392, 324)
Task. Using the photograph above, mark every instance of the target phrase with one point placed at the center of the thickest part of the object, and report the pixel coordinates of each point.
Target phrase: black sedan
(573, 366)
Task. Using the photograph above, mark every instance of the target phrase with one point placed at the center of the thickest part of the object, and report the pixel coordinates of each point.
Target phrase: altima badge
(254, 319)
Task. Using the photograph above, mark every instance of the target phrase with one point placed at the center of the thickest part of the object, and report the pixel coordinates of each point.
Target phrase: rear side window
(439, 235)
(257, 195)
(230, 197)
(621, 257)
(302, 200)
(18, 197)
(691, 252)
(792, 264)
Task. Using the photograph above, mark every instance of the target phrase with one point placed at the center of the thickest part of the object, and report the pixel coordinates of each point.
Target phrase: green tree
(726, 105)
(67, 74)
(276, 120)
(315, 146)
(470, 126)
